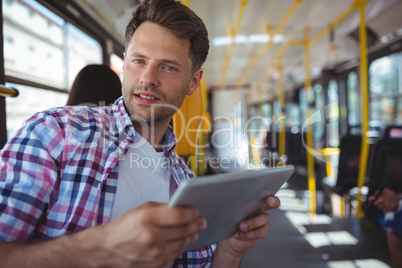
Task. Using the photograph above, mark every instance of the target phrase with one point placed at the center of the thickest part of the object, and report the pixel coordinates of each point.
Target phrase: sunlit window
(333, 114)
(42, 48)
(385, 92)
(27, 104)
(353, 99)
(398, 119)
(116, 64)
(303, 105)
(292, 116)
(384, 76)
(82, 50)
(318, 127)
(253, 127)
(266, 110)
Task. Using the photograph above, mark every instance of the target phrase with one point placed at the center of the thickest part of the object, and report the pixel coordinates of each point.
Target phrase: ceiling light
(246, 39)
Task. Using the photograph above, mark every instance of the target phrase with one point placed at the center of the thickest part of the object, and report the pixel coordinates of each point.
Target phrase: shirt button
(129, 132)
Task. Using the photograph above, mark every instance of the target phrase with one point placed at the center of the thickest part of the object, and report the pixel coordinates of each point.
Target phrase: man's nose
(149, 76)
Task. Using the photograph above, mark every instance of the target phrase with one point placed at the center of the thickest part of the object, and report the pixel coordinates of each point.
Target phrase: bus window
(398, 119)
(318, 127)
(293, 117)
(41, 47)
(333, 114)
(353, 100)
(116, 64)
(266, 110)
(277, 108)
(26, 104)
(32, 43)
(41, 50)
(82, 50)
(384, 89)
(253, 126)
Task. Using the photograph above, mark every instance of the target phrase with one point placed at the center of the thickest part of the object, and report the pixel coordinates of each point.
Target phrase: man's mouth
(146, 97)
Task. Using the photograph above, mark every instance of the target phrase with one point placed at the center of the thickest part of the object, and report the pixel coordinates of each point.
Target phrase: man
(70, 182)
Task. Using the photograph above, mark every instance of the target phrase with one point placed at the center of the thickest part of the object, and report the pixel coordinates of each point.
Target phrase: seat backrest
(295, 148)
(348, 165)
(385, 167)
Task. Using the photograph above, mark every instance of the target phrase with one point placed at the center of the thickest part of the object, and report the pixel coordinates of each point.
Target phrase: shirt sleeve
(28, 174)
(201, 257)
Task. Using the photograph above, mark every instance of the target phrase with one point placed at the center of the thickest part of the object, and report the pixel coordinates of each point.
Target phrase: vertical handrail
(309, 135)
(365, 109)
(185, 121)
(281, 99)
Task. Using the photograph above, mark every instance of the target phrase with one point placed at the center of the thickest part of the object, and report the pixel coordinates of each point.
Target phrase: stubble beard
(157, 113)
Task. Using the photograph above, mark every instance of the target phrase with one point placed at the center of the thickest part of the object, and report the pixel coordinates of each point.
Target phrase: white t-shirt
(144, 175)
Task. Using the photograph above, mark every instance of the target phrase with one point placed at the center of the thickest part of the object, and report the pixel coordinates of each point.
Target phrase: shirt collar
(124, 125)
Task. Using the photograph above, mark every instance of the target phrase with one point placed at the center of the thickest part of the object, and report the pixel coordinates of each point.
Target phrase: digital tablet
(227, 199)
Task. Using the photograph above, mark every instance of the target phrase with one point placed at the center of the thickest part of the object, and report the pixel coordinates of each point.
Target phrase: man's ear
(124, 59)
(195, 81)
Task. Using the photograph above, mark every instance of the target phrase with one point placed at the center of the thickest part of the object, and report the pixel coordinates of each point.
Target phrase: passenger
(389, 201)
(73, 193)
(95, 85)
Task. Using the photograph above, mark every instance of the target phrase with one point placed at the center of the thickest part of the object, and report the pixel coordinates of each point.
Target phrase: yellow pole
(281, 99)
(233, 34)
(365, 101)
(266, 47)
(186, 3)
(8, 91)
(309, 135)
(333, 24)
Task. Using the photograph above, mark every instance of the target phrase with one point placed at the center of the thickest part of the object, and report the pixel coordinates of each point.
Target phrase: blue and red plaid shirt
(58, 174)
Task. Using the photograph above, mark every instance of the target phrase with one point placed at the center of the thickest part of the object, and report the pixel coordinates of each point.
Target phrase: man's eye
(138, 61)
(170, 68)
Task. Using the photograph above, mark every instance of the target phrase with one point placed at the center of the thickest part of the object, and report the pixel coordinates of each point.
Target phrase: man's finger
(254, 223)
(164, 216)
(184, 231)
(272, 202)
(255, 234)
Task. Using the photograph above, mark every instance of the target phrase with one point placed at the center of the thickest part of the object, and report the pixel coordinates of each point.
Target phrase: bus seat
(348, 166)
(385, 167)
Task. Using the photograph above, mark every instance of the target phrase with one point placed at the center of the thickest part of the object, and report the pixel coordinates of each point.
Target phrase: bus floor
(298, 240)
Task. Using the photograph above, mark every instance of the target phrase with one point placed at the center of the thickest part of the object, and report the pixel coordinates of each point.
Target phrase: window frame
(108, 43)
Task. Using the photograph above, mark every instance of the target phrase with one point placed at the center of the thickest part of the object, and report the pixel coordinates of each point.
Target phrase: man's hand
(151, 235)
(386, 201)
(230, 252)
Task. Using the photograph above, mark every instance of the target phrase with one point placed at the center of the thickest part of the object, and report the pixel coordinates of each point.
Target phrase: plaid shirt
(58, 174)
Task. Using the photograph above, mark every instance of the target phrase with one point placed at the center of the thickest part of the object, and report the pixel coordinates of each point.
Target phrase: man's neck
(152, 133)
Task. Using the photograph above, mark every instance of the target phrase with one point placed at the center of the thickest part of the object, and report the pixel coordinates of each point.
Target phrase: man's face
(157, 73)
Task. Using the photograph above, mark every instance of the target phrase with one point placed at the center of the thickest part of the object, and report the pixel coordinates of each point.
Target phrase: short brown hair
(179, 19)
